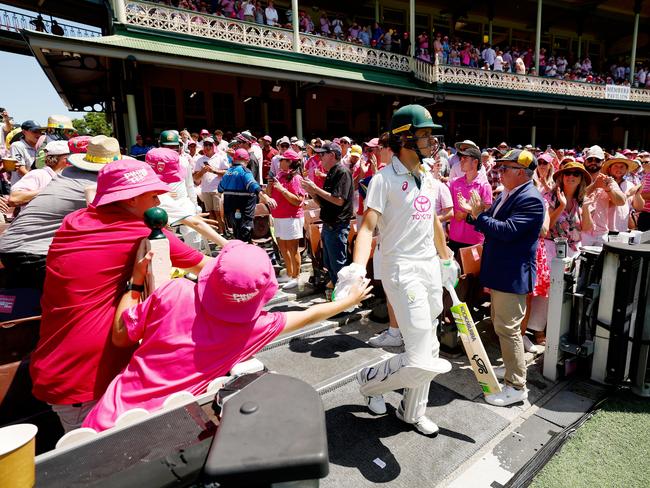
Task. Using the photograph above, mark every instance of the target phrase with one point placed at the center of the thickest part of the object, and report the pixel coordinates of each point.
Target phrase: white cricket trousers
(414, 289)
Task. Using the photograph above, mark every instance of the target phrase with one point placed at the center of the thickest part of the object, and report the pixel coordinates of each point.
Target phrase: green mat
(611, 449)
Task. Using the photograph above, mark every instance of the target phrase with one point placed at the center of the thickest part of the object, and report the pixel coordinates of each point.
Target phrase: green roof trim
(219, 51)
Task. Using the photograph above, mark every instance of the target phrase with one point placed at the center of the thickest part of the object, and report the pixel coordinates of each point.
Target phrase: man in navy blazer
(511, 228)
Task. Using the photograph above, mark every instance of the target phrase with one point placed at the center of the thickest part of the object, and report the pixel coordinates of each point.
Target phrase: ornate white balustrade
(430, 73)
(169, 19)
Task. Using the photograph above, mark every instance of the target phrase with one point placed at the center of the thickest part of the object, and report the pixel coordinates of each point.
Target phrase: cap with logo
(169, 138)
(523, 158)
(411, 118)
(329, 147)
(166, 163)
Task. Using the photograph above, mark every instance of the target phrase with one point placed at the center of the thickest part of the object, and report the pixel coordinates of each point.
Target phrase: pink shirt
(182, 349)
(600, 214)
(88, 264)
(459, 230)
(35, 180)
(285, 209)
(311, 165)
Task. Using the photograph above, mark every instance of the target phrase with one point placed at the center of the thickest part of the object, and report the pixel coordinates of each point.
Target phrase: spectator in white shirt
(271, 14)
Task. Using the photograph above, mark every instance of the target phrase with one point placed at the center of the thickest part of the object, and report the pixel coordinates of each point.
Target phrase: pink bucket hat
(124, 179)
(166, 164)
(236, 285)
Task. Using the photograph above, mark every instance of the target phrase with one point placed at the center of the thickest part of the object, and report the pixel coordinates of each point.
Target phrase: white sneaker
(289, 285)
(385, 339)
(500, 372)
(424, 424)
(508, 396)
(530, 347)
(375, 404)
(283, 279)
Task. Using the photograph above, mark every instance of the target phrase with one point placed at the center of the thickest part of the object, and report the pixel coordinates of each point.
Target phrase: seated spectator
(240, 195)
(204, 329)
(88, 265)
(30, 185)
(288, 220)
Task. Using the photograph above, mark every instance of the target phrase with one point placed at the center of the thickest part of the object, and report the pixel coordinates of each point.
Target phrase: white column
(635, 35)
(412, 26)
(538, 35)
(294, 24)
(132, 116)
(120, 11)
(626, 136)
(299, 123)
(579, 47)
(533, 135)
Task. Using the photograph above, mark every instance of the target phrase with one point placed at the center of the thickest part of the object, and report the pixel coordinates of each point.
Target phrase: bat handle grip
(452, 292)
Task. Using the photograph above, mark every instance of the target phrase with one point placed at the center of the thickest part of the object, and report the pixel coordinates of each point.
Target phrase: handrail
(462, 75)
(171, 19)
(15, 22)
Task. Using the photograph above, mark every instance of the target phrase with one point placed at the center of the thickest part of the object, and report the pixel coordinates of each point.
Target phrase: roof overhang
(65, 75)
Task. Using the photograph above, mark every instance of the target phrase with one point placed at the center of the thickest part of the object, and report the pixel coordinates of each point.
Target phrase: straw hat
(572, 166)
(632, 166)
(101, 150)
(59, 122)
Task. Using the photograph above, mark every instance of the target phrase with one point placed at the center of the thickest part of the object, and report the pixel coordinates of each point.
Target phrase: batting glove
(450, 271)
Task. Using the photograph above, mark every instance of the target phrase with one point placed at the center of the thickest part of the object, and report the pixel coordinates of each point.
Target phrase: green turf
(610, 450)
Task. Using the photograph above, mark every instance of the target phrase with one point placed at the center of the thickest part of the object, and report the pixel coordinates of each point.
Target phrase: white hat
(461, 146)
(57, 148)
(345, 139)
(595, 152)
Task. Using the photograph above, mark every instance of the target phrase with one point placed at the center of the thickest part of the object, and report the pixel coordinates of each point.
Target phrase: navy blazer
(511, 235)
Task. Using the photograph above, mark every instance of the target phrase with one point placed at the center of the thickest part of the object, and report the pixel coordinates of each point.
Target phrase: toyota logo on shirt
(422, 205)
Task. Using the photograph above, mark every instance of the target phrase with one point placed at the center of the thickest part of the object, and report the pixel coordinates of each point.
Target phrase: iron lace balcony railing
(15, 22)
(170, 19)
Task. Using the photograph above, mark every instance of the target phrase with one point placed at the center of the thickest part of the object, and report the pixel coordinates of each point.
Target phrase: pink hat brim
(125, 194)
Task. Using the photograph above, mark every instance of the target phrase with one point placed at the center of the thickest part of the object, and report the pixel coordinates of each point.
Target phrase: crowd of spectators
(429, 47)
(220, 179)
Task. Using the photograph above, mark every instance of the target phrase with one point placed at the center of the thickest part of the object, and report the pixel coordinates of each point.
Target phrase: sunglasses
(573, 173)
(207, 144)
(542, 163)
(284, 145)
(503, 168)
(593, 159)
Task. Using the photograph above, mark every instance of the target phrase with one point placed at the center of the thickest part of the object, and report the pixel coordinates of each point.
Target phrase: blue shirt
(239, 179)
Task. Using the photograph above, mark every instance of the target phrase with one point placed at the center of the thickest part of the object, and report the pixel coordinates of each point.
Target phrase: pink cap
(267, 138)
(78, 145)
(580, 159)
(373, 142)
(124, 179)
(204, 131)
(241, 155)
(236, 285)
(290, 154)
(546, 157)
(166, 163)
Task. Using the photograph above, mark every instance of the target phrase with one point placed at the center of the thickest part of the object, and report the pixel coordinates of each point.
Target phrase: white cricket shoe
(530, 347)
(508, 396)
(290, 285)
(424, 424)
(386, 339)
(375, 404)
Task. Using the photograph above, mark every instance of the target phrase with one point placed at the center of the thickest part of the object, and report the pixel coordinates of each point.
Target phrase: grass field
(611, 449)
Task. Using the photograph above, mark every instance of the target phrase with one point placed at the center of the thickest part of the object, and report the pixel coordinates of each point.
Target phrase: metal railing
(14, 22)
(170, 19)
(441, 74)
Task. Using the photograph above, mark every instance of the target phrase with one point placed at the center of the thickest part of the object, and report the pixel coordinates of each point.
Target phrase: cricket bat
(474, 349)
(160, 269)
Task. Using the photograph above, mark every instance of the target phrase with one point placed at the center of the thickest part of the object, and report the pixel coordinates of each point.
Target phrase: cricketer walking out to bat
(399, 203)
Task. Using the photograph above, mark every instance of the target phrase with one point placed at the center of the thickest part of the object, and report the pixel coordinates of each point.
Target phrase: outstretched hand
(360, 291)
